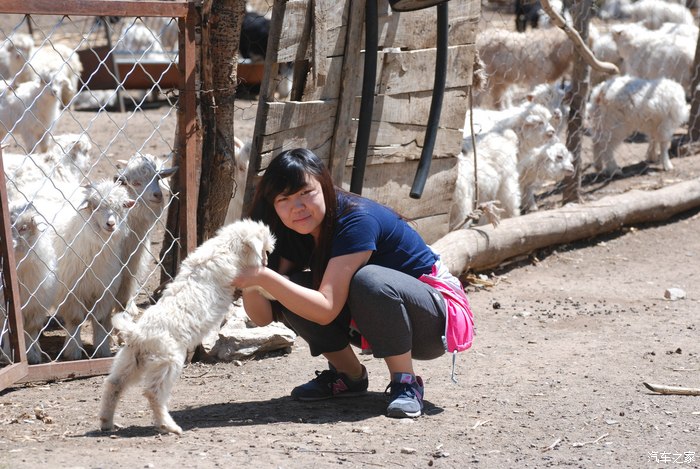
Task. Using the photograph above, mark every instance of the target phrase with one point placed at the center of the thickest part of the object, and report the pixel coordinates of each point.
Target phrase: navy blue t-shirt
(370, 226)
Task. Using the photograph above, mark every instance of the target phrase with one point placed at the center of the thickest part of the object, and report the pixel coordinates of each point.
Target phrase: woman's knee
(367, 281)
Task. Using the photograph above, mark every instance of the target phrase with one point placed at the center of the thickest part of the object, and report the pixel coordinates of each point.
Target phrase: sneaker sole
(336, 396)
(400, 414)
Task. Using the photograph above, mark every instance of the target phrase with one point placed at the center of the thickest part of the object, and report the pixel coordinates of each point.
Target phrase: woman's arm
(320, 306)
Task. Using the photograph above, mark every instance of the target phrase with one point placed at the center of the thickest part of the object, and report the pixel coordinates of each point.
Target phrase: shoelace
(326, 377)
(396, 390)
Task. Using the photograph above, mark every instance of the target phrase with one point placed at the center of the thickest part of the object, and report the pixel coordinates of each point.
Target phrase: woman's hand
(249, 277)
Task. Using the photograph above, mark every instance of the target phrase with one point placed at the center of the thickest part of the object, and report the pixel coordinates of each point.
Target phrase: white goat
(497, 177)
(511, 134)
(651, 55)
(88, 245)
(624, 104)
(513, 118)
(549, 162)
(654, 13)
(141, 176)
(30, 110)
(242, 156)
(36, 263)
(14, 53)
(66, 162)
(58, 61)
(526, 59)
(194, 303)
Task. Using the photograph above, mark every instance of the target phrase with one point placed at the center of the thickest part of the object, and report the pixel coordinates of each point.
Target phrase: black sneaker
(406, 395)
(330, 383)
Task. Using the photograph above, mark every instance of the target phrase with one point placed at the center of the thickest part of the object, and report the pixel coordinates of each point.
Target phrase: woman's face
(304, 210)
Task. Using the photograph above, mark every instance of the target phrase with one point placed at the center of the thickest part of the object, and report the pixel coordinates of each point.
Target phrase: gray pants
(395, 312)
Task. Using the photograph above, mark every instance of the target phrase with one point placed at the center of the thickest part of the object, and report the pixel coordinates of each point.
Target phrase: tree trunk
(486, 247)
(221, 31)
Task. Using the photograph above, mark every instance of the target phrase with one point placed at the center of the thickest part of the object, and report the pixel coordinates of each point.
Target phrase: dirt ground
(565, 340)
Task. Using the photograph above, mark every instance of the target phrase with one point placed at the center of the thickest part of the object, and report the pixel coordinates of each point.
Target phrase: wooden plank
(11, 374)
(320, 43)
(418, 29)
(433, 227)
(186, 116)
(414, 108)
(412, 71)
(292, 115)
(12, 301)
(448, 142)
(172, 8)
(390, 184)
(70, 369)
(312, 136)
(347, 105)
(331, 88)
(294, 23)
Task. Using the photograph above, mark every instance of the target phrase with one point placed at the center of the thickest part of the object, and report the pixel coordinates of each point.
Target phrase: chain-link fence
(548, 128)
(89, 107)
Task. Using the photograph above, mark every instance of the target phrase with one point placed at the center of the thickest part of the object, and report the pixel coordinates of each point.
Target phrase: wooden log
(485, 247)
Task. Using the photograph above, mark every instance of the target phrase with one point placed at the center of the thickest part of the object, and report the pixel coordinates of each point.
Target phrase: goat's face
(143, 176)
(105, 207)
(559, 161)
(537, 130)
(26, 229)
(256, 243)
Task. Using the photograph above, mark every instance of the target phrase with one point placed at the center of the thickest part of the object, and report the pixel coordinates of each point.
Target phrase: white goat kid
(58, 61)
(36, 263)
(622, 105)
(194, 303)
(14, 52)
(497, 178)
(141, 176)
(30, 110)
(549, 162)
(88, 245)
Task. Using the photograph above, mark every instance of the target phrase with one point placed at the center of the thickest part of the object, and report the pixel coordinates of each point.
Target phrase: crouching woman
(344, 266)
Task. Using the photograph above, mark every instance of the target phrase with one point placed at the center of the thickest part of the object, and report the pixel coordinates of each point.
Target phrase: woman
(344, 264)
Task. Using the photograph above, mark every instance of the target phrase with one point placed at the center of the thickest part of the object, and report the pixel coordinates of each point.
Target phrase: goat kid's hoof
(107, 427)
(165, 429)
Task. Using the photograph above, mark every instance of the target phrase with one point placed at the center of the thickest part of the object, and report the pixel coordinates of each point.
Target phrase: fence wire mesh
(631, 124)
(87, 185)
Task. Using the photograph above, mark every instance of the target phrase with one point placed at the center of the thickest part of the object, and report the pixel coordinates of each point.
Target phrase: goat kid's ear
(167, 172)
(129, 203)
(122, 164)
(84, 205)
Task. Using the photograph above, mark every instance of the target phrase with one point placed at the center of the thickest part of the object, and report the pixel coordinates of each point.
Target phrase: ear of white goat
(167, 172)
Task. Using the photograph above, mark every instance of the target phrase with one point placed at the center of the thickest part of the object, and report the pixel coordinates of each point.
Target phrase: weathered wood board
(324, 40)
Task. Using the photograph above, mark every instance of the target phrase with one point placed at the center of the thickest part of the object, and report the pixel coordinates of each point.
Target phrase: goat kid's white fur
(194, 303)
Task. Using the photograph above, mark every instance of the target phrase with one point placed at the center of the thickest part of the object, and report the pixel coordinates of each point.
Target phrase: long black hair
(287, 175)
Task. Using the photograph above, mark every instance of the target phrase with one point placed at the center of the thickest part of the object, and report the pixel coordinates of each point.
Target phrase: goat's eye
(560, 158)
(22, 228)
(137, 184)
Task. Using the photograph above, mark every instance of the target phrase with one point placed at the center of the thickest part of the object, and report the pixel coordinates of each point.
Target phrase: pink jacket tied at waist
(459, 319)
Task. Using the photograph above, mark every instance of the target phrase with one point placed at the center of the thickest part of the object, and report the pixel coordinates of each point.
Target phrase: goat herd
(517, 119)
(82, 246)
